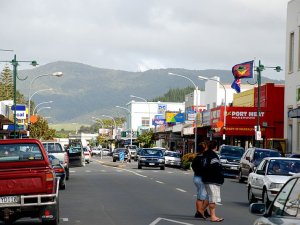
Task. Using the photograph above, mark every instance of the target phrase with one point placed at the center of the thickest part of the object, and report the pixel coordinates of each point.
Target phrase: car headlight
(161, 160)
(275, 185)
(142, 159)
(223, 160)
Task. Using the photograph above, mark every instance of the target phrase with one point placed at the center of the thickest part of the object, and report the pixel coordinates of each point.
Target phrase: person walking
(213, 179)
(202, 198)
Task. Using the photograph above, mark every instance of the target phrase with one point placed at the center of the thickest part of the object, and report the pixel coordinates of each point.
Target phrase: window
(291, 53)
(145, 121)
(20, 152)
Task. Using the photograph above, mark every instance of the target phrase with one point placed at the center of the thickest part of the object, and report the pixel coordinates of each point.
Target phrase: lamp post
(196, 104)
(56, 74)
(41, 104)
(129, 111)
(15, 64)
(259, 69)
(114, 124)
(133, 96)
(225, 106)
(45, 107)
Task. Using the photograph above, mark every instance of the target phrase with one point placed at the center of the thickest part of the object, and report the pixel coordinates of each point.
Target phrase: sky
(138, 35)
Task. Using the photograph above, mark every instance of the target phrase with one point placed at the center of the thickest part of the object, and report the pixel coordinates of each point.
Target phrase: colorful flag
(236, 85)
(243, 70)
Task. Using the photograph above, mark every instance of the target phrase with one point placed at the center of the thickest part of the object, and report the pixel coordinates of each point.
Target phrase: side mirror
(257, 208)
(260, 172)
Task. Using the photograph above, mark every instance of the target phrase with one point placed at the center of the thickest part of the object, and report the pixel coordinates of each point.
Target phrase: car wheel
(240, 177)
(251, 197)
(139, 166)
(114, 160)
(162, 168)
(266, 198)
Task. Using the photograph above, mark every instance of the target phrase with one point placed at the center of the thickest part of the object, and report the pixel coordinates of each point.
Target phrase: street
(101, 193)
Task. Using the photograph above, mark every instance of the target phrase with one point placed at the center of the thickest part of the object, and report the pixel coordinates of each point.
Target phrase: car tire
(265, 198)
(240, 177)
(251, 197)
(162, 168)
(114, 160)
(139, 167)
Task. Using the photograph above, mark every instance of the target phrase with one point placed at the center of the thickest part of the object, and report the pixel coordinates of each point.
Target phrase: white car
(96, 151)
(271, 174)
(172, 158)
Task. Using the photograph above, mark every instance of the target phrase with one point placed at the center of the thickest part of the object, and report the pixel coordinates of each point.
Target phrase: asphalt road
(110, 193)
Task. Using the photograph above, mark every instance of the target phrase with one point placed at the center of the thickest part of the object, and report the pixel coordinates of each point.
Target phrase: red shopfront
(241, 122)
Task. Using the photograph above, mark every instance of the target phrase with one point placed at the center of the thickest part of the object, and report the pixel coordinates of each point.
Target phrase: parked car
(116, 154)
(132, 149)
(87, 155)
(57, 150)
(151, 157)
(29, 187)
(76, 156)
(270, 175)
(59, 171)
(105, 151)
(230, 157)
(138, 152)
(285, 207)
(251, 159)
(96, 151)
(295, 156)
(172, 158)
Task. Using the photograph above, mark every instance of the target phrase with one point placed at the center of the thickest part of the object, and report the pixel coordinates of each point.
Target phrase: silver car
(285, 209)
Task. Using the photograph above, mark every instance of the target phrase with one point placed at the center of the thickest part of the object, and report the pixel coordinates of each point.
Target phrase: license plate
(234, 168)
(151, 164)
(8, 199)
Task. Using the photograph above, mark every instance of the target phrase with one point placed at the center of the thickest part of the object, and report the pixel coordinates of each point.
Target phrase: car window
(283, 167)
(262, 165)
(20, 152)
(152, 152)
(74, 149)
(292, 206)
(53, 147)
(232, 151)
(172, 154)
(282, 201)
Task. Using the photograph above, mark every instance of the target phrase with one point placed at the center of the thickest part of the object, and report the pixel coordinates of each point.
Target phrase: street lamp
(56, 74)
(129, 111)
(225, 107)
(196, 104)
(259, 69)
(114, 123)
(41, 104)
(15, 64)
(133, 96)
(45, 107)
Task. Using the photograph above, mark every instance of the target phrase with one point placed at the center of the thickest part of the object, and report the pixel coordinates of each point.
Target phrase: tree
(6, 84)
(41, 130)
(146, 139)
(175, 95)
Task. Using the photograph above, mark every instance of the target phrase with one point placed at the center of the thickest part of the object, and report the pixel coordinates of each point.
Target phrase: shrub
(187, 160)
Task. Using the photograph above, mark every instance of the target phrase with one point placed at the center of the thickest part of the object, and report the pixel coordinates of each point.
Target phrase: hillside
(85, 91)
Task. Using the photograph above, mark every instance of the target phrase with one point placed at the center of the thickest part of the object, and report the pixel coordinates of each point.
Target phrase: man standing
(213, 179)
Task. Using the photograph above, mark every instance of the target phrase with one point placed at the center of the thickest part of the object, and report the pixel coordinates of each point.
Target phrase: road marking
(103, 170)
(135, 173)
(170, 172)
(65, 219)
(174, 221)
(157, 181)
(186, 173)
(72, 171)
(87, 171)
(178, 189)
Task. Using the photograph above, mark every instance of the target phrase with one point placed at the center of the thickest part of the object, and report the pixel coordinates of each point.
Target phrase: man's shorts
(201, 191)
(213, 192)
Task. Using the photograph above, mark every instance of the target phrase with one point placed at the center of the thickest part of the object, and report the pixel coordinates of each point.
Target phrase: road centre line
(181, 190)
(156, 221)
(160, 182)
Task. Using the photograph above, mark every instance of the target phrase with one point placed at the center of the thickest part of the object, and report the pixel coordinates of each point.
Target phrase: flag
(236, 85)
(243, 70)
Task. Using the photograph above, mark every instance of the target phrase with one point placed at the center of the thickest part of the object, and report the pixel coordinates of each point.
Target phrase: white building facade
(292, 78)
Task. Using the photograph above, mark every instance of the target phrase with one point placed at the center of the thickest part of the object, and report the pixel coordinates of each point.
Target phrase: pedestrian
(202, 197)
(213, 179)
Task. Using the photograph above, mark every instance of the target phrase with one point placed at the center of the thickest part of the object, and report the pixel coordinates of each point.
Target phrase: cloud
(119, 34)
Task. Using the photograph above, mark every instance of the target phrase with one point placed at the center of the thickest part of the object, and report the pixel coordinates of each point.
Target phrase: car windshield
(120, 150)
(261, 154)
(152, 152)
(53, 147)
(20, 152)
(232, 151)
(172, 154)
(283, 167)
(74, 149)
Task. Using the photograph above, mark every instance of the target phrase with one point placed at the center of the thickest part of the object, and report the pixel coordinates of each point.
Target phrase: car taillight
(86, 153)
(50, 182)
(59, 170)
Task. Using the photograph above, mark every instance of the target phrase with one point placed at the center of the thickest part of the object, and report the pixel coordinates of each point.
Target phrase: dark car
(76, 156)
(118, 151)
(230, 157)
(252, 158)
(285, 207)
(150, 157)
(295, 156)
(59, 171)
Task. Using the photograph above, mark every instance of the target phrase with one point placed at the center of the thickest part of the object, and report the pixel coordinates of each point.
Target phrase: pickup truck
(28, 185)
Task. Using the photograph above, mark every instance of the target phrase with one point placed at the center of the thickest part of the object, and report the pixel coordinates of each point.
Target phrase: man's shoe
(199, 215)
(206, 213)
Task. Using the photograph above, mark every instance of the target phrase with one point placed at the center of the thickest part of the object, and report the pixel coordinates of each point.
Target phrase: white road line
(87, 171)
(157, 181)
(103, 170)
(186, 173)
(178, 189)
(64, 219)
(170, 172)
(156, 221)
